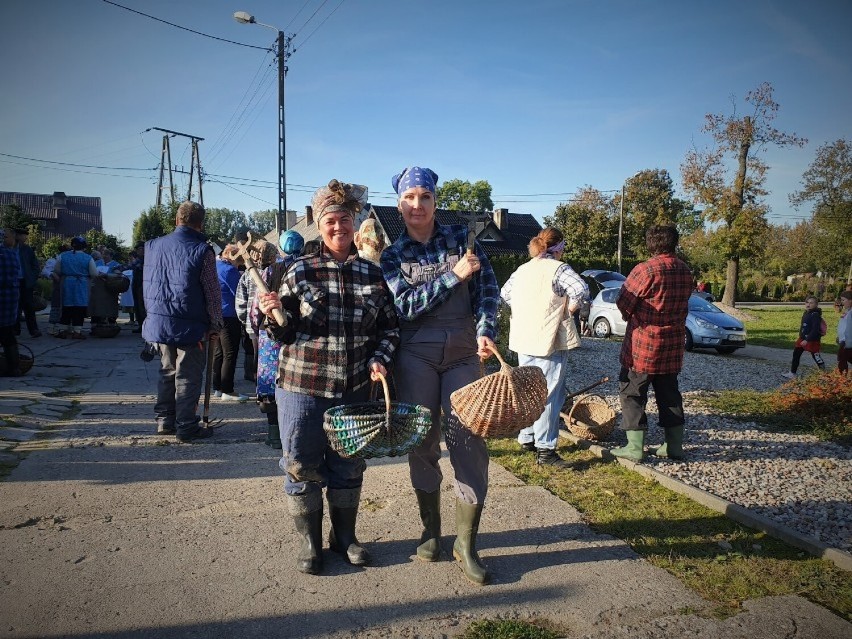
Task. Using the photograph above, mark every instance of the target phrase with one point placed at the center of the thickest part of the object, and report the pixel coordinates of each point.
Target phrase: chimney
(60, 201)
(290, 218)
(309, 216)
(501, 218)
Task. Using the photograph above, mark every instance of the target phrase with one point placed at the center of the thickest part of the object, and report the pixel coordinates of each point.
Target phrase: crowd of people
(351, 311)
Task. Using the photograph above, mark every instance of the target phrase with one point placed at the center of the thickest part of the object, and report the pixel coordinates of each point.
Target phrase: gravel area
(794, 479)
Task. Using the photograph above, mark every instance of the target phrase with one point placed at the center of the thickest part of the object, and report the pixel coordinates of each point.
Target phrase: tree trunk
(731, 281)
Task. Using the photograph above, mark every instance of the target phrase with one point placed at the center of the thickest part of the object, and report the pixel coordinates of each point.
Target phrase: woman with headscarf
(543, 295)
(446, 298)
(290, 245)
(341, 332)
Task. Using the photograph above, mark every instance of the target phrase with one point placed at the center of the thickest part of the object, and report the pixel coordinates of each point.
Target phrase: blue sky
(537, 97)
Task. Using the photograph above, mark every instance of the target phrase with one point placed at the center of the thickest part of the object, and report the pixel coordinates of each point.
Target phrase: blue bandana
(414, 176)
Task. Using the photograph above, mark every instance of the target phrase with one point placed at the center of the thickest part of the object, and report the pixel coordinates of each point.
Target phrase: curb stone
(737, 513)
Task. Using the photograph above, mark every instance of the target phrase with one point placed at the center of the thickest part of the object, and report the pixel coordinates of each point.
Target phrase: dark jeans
(249, 357)
(225, 357)
(179, 386)
(25, 303)
(633, 394)
(10, 348)
(307, 458)
(138, 303)
(797, 357)
(73, 315)
(844, 356)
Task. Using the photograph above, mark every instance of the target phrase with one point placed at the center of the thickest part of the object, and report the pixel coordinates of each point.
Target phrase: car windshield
(700, 305)
(610, 276)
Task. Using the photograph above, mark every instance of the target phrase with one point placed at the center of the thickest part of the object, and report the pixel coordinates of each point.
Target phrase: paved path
(107, 530)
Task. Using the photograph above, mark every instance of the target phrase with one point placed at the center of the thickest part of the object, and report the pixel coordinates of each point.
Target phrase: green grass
(508, 629)
(681, 536)
(779, 327)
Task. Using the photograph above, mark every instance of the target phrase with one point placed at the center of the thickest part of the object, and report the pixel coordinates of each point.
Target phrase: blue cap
(291, 242)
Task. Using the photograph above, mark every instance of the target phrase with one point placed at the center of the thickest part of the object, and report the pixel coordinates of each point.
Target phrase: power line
(308, 37)
(56, 168)
(177, 26)
(86, 166)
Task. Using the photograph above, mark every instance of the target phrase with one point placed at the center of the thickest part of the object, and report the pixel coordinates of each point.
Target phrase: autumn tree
(827, 183)
(155, 222)
(262, 222)
(649, 200)
(458, 195)
(223, 225)
(728, 179)
(589, 223)
(13, 216)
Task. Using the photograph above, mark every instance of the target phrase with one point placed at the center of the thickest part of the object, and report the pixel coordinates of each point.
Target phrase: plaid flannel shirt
(10, 287)
(654, 300)
(413, 301)
(244, 298)
(345, 320)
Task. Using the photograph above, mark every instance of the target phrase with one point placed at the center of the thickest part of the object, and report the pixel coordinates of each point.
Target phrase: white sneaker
(789, 375)
(225, 397)
(217, 394)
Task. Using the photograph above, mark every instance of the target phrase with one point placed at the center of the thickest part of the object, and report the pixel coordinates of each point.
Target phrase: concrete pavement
(108, 530)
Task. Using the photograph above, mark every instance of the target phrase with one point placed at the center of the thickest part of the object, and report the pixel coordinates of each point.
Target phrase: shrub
(822, 400)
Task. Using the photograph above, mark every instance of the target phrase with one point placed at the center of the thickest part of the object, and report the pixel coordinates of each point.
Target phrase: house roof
(59, 215)
(513, 240)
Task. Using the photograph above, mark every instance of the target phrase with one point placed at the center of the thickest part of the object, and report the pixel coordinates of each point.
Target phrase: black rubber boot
(273, 436)
(464, 549)
(549, 457)
(309, 526)
(430, 514)
(343, 511)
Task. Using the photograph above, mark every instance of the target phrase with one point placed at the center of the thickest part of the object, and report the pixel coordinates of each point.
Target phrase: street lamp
(282, 52)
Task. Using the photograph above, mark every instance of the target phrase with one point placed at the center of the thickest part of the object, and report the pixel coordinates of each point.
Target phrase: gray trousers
(179, 387)
(426, 374)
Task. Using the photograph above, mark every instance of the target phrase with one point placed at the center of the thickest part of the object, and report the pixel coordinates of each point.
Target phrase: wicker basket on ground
(501, 404)
(26, 359)
(590, 418)
(376, 429)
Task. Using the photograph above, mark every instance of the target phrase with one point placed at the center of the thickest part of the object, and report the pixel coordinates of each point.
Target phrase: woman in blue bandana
(446, 299)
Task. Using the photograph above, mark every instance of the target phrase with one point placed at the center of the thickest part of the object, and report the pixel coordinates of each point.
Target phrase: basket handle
(386, 391)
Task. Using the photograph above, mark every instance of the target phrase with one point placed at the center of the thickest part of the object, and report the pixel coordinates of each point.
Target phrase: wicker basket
(376, 429)
(501, 404)
(591, 418)
(116, 283)
(25, 359)
(105, 330)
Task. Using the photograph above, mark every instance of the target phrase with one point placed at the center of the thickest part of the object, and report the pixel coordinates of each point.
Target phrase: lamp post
(282, 52)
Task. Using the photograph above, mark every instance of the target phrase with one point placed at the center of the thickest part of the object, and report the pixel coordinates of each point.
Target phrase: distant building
(499, 233)
(59, 215)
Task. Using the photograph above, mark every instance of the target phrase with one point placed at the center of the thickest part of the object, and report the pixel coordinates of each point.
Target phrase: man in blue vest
(183, 307)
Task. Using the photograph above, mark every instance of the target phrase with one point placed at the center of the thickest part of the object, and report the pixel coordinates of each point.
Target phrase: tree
(153, 223)
(262, 222)
(458, 195)
(589, 223)
(827, 183)
(733, 200)
(52, 247)
(223, 225)
(649, 200)
(12, 216)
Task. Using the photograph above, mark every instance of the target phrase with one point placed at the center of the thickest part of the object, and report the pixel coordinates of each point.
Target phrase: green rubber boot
(673, 448)
(273, 437)
(464, 549)
(343, 512)
(635, 449)
(430, 514)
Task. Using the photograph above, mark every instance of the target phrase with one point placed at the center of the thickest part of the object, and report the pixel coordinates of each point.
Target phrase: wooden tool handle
(254, 273)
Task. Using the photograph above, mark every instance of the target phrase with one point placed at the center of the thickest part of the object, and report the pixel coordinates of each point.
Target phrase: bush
(821, 400)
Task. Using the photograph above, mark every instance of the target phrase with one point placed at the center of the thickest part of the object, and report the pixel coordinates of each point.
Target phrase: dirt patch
(735, 312)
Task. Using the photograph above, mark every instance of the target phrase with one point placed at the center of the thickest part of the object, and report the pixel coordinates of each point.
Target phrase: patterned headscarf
(414, 176)
(338, 196)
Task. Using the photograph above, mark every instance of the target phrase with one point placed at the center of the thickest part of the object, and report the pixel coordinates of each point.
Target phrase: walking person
(76, 269)
(341, 332)
(844, 333)
(228, 346)
(810, 334)
(447, 303)
(184, 309)
(10, 293)
(543, 295)
(29, 276)
(654, 301)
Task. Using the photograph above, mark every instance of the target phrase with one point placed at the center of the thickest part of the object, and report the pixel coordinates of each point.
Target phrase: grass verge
(779, 327)
(509, 629)
(723, 561)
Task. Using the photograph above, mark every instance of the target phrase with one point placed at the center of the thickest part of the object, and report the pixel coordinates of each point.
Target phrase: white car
(707, 326)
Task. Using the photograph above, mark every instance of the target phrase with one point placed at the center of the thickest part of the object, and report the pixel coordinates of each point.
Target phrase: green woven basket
(376, 429)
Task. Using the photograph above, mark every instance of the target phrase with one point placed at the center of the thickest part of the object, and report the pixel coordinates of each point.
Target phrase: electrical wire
(85, 166)
(308, 37)
(56, 168)
(177, 26)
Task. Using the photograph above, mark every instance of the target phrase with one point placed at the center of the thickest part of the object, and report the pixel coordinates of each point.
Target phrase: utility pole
(166, 160)
(620, 226)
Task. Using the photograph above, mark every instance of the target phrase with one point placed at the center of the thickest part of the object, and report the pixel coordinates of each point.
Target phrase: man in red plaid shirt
(654, 301)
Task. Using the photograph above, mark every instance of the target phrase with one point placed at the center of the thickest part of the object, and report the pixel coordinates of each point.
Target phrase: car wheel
(688, 341)
(726, 350)
(601, 327)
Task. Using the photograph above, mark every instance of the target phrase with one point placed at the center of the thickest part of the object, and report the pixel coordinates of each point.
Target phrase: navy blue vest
(174, 300)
